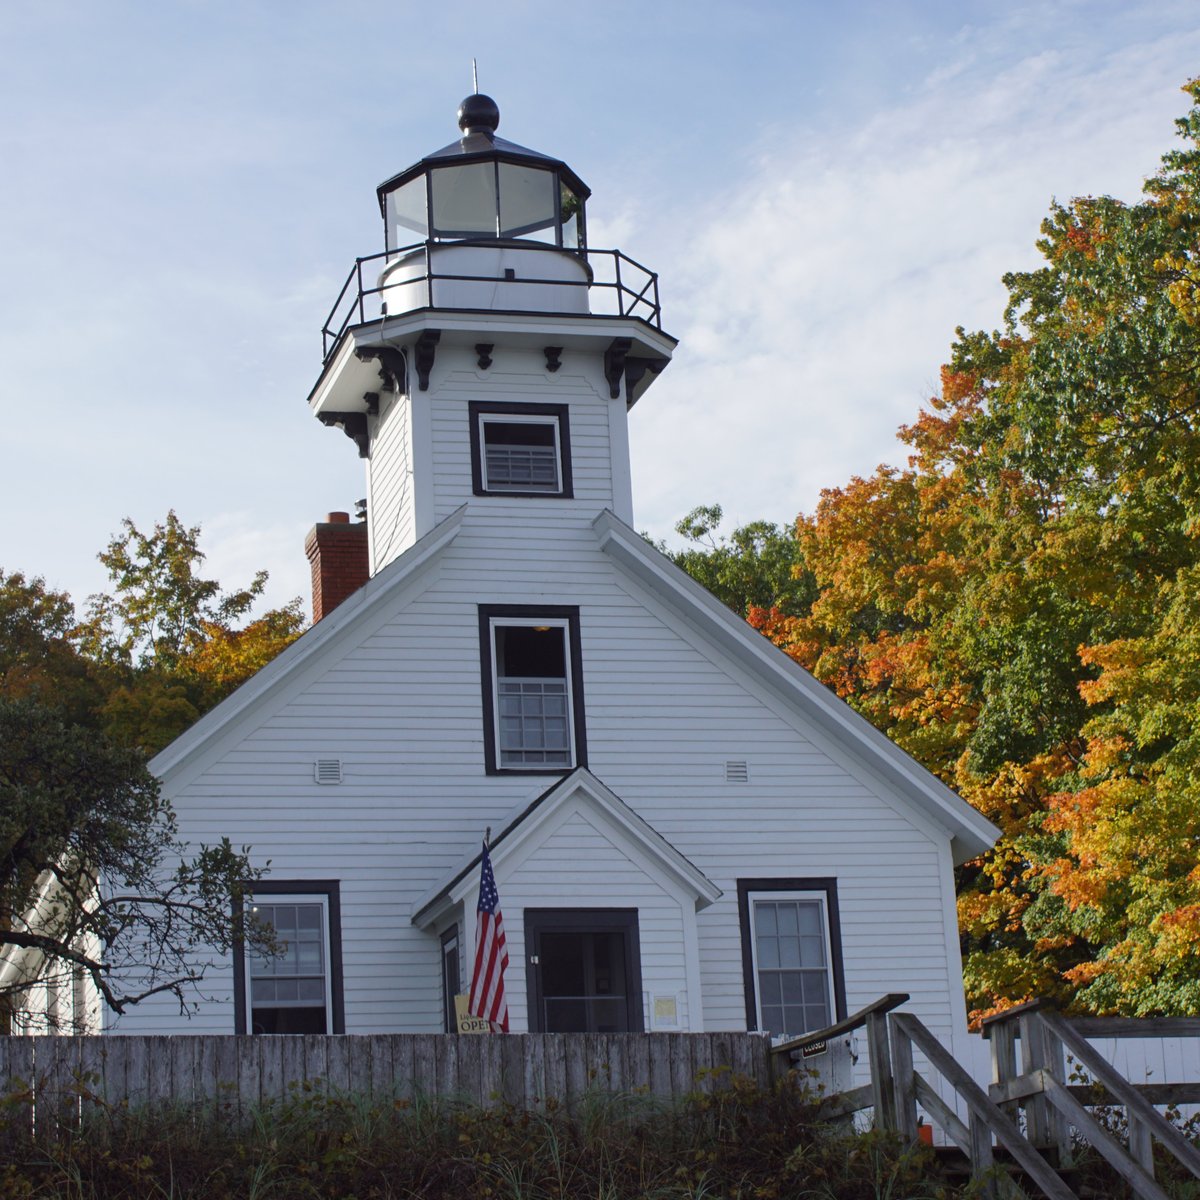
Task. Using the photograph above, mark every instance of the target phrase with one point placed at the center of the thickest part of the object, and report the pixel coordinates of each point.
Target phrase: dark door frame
(584, 920)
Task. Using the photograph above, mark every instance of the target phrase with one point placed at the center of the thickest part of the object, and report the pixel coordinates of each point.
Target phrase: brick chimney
(337, 551)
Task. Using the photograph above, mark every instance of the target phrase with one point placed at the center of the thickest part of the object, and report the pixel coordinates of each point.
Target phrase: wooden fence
(40, 1076)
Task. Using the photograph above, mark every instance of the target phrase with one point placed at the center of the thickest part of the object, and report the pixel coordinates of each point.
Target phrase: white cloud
(816, 301)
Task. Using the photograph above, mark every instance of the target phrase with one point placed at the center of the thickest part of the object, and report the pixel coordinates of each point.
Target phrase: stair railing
(1051, 1105)
(986, 1120)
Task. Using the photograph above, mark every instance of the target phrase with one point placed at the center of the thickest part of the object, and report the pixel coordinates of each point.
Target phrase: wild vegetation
(83, 701)
(736, 1142)
(1019, 607)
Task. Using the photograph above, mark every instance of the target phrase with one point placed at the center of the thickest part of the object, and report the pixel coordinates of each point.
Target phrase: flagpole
(487, 1000)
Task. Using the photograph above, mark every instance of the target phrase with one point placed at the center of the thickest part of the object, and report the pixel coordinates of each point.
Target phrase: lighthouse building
(687, 831)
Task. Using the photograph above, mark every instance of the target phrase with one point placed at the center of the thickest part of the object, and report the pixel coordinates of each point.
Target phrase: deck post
(1141, 1145)
(1002, 1044)
(1033, 1059)
(906, 1085)
(883, 1086)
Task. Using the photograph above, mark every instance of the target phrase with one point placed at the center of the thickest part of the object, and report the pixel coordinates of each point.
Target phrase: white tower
(488, 355)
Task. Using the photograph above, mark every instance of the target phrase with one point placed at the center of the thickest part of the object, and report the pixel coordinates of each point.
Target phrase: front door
(583, 970)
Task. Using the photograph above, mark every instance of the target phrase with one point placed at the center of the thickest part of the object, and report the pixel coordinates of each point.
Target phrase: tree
(40, 657)
(167, 638)
(94, 880)
(757, 564)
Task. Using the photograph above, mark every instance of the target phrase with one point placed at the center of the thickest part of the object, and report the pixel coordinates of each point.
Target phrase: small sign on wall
(466, 1022)
(666, 1012)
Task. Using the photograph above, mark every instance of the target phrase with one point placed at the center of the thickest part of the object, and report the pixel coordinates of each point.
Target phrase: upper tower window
(520, 449)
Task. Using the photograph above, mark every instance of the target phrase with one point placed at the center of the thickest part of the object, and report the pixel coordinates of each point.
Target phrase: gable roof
(520, 837)
(337, 626)
(971, 833)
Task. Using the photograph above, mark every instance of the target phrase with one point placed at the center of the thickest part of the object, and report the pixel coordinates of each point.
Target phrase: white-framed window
(520, 449)
(291, 991)
(532, 699)
(791, 959)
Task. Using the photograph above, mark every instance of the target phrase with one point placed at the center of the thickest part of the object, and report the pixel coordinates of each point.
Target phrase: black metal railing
(617, 284)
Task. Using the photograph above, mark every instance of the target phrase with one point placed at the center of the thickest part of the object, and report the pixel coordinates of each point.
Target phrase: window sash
(791, 952)
(514, 467)
(533, 716)
(269, 980)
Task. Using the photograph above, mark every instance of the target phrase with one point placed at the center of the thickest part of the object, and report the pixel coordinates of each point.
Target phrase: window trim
(824, 886)
(296, 891)
(567, 618)
(480, 410)
(585, 920)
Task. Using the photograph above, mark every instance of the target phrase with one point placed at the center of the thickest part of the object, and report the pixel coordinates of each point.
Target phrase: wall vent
(328, 770)
(737, 771)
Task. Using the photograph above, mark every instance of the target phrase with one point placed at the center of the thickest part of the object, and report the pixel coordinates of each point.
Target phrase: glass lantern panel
(407, 214)
(527, 203)
(570, 209)
(464, 200)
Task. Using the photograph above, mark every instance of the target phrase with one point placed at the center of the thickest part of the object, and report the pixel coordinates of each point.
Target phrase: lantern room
(484, 188)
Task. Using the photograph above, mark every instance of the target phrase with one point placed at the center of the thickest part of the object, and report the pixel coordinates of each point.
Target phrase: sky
(825, 190)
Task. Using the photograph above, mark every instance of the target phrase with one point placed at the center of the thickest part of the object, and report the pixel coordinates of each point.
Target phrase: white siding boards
(390, 684)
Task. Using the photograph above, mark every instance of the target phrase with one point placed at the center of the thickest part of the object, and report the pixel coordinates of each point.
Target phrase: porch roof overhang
(520, 837)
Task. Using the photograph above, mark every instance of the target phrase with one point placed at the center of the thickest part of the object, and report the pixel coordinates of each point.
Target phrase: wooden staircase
(1020, 1135)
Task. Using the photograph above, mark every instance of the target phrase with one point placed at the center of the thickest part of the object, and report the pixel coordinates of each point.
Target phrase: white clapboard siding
(402, 711)
(437, 448)
(390, 481)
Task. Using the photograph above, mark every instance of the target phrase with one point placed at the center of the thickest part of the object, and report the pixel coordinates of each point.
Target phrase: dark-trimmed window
(299, 988)
(531, 668)
(791, 954)
(520, 449)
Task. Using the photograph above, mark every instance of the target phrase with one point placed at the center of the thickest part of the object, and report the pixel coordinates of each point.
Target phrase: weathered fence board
(51, 1077)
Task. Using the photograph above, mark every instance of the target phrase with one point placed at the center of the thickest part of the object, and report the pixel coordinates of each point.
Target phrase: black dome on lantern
(478, 112)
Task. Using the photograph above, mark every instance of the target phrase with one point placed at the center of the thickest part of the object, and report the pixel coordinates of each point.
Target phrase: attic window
(737, 771)
(328, 770)
(520, 450)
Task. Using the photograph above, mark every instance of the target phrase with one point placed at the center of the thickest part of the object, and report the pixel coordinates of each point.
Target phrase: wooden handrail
(856, 1020)
(986, 1117)
(1136, 1105)
(1101, 1140)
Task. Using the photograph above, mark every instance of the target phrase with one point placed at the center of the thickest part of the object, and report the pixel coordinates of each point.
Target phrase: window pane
(793, 992)
(812, 951)
(810, 918)
(571, 215)
(464, 200)
(768, 952)
(526, 202)
(310, 989)
(814, 987)
(788, 920)
(789, 952)
(764, 918)
(407, 215)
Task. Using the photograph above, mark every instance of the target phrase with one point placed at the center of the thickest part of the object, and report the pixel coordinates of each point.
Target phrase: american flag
(491, 954)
